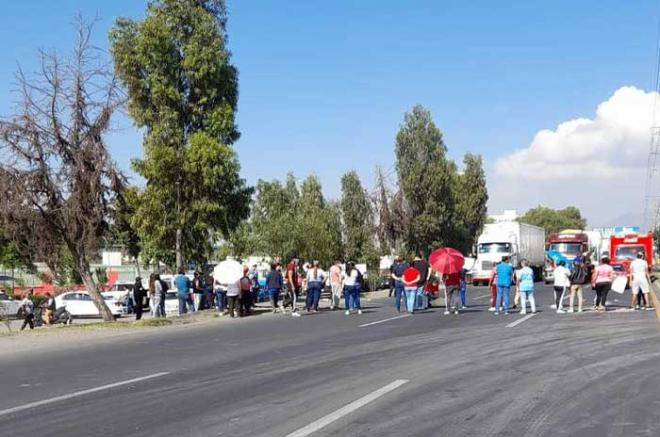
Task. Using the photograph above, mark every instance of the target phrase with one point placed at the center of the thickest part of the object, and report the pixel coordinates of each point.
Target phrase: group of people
(283, 287)
(567, 282)
(347, 279)
(417, 284)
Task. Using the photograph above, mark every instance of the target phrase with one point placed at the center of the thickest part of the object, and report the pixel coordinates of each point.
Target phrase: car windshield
(628, 252)
(122, 287)
(495, 248)
(170, 296)
(567, 248)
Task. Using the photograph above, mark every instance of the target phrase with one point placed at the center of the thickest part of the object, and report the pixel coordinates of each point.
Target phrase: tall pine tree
(183, 92)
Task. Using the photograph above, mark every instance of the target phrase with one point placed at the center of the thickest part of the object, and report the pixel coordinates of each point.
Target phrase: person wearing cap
(640, 282)
(138, 297)
(314, 281)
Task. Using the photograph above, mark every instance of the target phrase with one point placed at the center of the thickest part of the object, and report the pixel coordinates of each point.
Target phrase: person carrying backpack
(579, 277)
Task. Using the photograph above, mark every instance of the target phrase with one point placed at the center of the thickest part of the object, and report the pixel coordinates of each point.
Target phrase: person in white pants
(526, 287)
(335, 284)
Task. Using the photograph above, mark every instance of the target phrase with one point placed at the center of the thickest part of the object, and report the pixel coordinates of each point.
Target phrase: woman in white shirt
(351, 289)
(562, 284)
(314, 280)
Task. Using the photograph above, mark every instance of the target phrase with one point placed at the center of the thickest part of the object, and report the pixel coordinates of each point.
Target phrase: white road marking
(385, 320)
(519, 321)
(78, 393)
(327, 420)
(480, 297)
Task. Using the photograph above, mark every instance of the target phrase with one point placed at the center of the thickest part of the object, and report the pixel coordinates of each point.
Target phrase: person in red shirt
(452, 284)
(411, 278)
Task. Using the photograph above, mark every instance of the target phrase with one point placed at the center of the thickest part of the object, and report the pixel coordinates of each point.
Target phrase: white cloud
(596, 163)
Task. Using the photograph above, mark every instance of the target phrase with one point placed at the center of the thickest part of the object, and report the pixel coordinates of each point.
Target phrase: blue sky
(324, 85)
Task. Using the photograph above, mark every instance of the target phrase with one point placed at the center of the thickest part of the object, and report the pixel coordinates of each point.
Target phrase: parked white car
(8, 306)
(80, 304)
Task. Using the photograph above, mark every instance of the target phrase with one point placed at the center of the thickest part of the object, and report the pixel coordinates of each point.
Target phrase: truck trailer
(513, 239)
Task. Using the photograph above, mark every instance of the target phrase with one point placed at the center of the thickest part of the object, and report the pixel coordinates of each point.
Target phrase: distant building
(509, 215)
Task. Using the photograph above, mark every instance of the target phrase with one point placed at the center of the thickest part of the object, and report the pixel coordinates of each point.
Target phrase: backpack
(164, 286)
(579, 275)
(360, 278)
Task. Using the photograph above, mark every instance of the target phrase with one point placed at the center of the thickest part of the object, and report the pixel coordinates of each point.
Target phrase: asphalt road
(328, 374)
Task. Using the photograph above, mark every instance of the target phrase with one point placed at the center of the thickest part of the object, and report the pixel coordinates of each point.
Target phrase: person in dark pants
(274, 284)
(28, 310)
(424, 270)
(138, 297)
(246, 292)
(315, 281)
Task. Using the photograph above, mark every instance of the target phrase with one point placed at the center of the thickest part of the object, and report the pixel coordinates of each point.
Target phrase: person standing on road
(351, 284)
(411, 279)
(274, 284)
(601, 281)
(49, 309)
(399, 288)
(292, 277)
(640, 281)
(220, 291)
(463, 288)
(27, 306)
(492, 285)
(156, 296)
(561, 285)
(504, 278)
(516, 280)
(579, 278)
(335, 285)
(182, 284)
(138, 297)
(234, 299)
(246, 291)
(198, 292)
(315, 281)
(424, 270)
(452, 285)
(526, 287)
(392, 280)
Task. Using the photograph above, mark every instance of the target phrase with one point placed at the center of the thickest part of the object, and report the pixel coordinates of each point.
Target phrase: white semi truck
(513, 239)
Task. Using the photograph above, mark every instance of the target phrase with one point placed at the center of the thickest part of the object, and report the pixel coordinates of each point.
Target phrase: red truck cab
(624, 249)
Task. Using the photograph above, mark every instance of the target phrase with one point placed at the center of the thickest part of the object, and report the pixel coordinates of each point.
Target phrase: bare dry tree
(56, 176)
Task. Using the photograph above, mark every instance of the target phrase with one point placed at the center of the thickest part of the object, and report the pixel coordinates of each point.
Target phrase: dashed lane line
(519, 321)
(344, 411)
(78, 393)
(384, 320)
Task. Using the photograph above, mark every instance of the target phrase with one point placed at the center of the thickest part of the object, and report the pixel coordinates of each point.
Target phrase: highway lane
(573, 374)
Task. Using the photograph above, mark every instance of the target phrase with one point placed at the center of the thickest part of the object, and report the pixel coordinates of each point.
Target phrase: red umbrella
(446, 260)
(410, 276)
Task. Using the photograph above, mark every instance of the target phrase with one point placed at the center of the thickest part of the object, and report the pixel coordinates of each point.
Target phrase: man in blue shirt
(397, 274)
(504, 278)
(182, 284)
